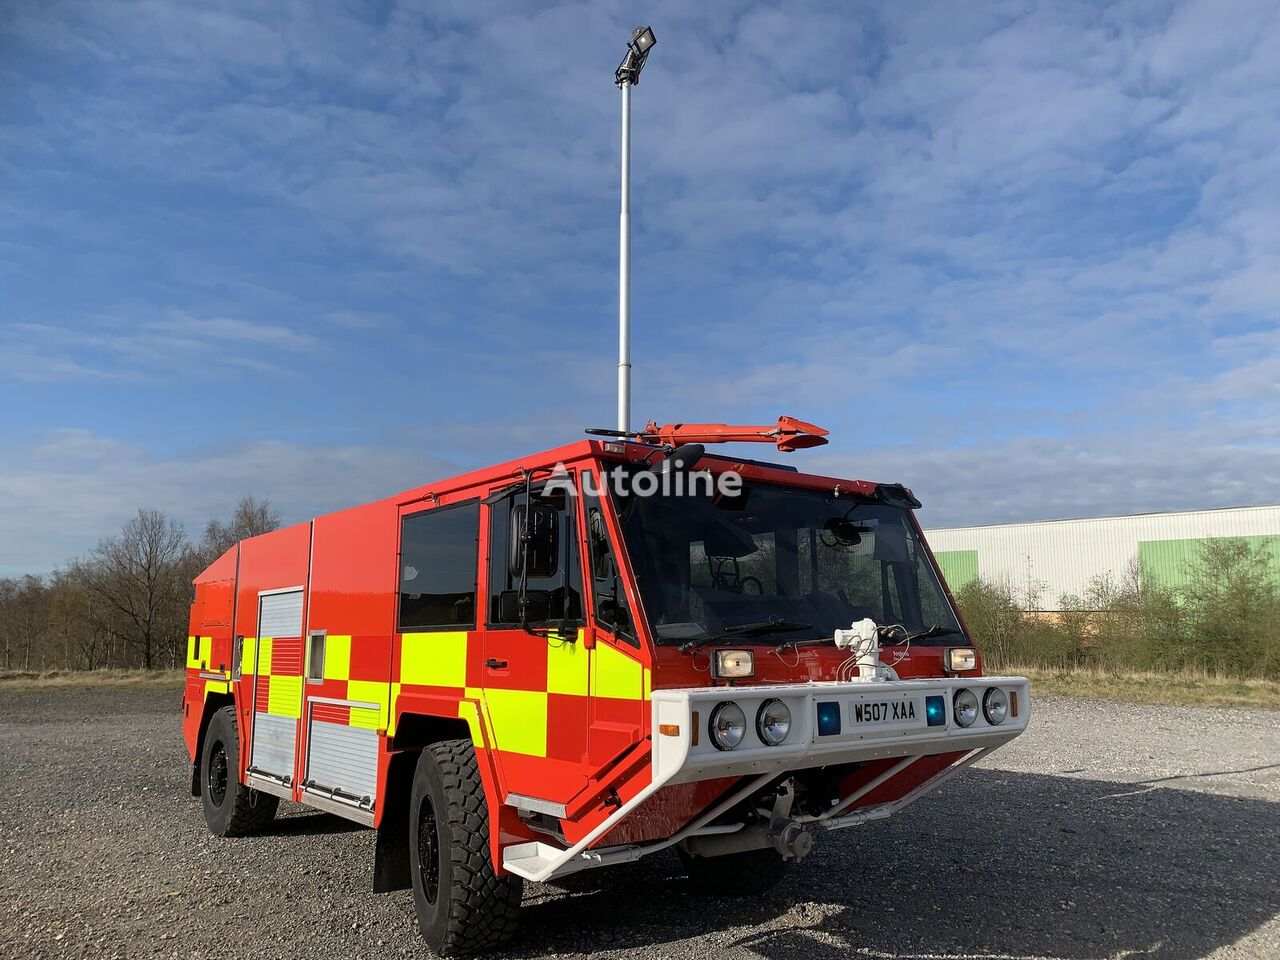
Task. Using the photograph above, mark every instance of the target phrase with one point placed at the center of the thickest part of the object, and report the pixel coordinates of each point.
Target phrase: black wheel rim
(218, 774)
(428, 850)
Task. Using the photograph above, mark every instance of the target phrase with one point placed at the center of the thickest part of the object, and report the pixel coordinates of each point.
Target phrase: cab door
(620, 680)
(536, 676)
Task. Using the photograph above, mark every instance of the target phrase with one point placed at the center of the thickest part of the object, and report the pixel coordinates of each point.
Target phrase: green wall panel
(1167, 561)
(959, 567)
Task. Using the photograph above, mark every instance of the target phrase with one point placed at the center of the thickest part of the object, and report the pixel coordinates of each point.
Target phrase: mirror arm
(522, 601)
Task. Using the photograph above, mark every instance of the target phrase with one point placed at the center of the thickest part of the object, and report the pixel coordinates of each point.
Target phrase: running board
(539, 861)
(268, 784)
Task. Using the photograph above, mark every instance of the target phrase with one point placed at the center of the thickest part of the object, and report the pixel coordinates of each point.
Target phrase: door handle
(493, 663)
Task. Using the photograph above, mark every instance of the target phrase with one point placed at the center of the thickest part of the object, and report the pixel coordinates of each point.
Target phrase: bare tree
(29, 619)
(71, 619)
(251, 518)
(140, 579)
(8, 602)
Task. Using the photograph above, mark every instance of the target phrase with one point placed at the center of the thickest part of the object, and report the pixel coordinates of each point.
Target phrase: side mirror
(844, 532)
(567, 629)
(891, 543)
(682, 459)
(539, 555)
(537, 608)
(601, 553)
(727, 539)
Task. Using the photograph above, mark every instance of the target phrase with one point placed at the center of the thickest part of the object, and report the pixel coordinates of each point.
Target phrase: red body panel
(501, 683)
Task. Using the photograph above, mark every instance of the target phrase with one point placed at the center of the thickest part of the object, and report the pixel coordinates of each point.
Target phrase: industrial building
(1045, 560)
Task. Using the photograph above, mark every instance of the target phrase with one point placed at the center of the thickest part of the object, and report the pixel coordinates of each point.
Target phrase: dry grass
(1180, 688)
(26, 680)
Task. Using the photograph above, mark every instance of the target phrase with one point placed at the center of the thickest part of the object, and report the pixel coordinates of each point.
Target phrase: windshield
(779, 561)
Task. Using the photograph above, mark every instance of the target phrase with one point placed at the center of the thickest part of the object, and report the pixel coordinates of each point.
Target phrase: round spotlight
(728, 725)
(773, 722)
(995, 705)
(965, 707)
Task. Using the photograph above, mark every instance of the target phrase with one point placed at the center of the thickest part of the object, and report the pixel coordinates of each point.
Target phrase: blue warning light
(935, 711)
(828, 718)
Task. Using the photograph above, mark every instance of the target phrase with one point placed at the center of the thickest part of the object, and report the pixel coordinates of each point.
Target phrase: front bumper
(876, 720)
(683, 752)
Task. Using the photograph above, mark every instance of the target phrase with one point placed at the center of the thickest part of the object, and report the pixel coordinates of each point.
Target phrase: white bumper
(876, 720)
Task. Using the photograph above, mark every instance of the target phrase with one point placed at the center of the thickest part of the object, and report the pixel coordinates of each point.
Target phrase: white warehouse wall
(1041, 561)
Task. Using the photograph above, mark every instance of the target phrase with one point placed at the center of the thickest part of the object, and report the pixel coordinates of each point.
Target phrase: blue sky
(1024, 258)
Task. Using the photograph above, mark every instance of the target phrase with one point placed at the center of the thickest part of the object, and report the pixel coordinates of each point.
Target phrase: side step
(532, 860)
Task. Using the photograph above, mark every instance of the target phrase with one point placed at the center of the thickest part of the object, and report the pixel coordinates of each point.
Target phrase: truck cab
(580, 658)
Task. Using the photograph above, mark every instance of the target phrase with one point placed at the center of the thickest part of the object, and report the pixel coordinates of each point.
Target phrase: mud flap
(391, 852)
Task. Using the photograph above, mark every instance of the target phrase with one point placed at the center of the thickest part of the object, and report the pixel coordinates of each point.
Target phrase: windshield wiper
(757, 628)
(934, 631)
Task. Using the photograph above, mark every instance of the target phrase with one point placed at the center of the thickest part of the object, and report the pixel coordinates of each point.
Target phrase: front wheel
(463, 906)
(230, 808)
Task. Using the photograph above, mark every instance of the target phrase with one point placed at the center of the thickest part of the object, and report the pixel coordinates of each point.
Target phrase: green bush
(1224, 620)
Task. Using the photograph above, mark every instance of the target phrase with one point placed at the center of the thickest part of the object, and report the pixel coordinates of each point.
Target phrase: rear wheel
(743, 874)
(463, 906)
(230, 808)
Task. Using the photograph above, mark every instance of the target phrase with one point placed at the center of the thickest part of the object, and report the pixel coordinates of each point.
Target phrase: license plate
(897, 713)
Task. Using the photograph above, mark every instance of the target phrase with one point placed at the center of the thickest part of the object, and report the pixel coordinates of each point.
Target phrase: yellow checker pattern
(567, 668)
(615, 675)
(434, 659)
(284, 693)
(199, 652)
(516, 719)
(370, 691)
(337, 657)
(284, 698)
(199, 655)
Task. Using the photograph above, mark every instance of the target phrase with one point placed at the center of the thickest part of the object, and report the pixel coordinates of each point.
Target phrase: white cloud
(933, 229)
(67, 490)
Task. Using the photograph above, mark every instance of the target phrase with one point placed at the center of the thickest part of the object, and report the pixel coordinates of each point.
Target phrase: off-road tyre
(745, 874)
(230, 808)
(463, 906)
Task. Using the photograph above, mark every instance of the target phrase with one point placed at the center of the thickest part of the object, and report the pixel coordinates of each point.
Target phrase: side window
(439, 552)
(612, 611)
(315, 657)
(554, 579)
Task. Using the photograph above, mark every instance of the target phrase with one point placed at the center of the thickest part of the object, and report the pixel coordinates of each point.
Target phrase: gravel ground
(1106, 831)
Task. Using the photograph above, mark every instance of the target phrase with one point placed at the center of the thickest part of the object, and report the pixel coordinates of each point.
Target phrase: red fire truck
(585, 656)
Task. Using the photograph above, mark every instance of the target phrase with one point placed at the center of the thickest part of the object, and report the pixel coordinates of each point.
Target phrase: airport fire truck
(582, 657)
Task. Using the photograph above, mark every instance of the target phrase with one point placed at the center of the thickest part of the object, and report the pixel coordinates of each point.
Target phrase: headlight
(773, 722)
(959, 659)
(995, 705)
(733, 664)
(728, 725)
(964, 707)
